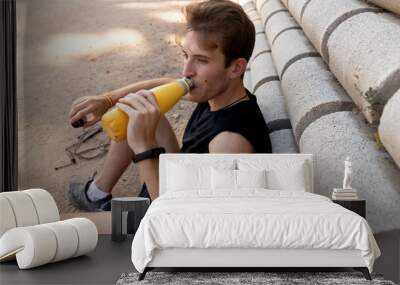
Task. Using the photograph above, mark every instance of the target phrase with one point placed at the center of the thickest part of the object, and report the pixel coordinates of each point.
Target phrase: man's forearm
(148, 171)
(115, 95)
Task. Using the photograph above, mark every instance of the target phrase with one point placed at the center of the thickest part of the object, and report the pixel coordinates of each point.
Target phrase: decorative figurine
(347, 174)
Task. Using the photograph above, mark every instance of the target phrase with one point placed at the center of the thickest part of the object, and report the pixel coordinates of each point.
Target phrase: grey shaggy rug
(268, 278)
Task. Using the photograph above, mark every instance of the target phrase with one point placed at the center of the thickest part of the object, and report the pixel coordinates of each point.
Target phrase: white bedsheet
(253, 218)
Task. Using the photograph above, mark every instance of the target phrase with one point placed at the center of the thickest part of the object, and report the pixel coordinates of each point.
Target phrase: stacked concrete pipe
(391, 5)
(360, 42)
(266, 86)
(296, 8)
(252, 13)
(247, 80)
(326, 122)
(389, 128)
(310, 89)
(375, 176)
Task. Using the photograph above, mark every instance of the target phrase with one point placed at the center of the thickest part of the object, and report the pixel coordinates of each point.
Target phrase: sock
(95, 193)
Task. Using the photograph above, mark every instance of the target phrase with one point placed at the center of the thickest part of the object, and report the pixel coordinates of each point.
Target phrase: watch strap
(148, 154)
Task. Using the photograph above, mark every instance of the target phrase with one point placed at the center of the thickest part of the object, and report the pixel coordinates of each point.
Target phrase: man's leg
(120, 155)
(118, 158)
(91, 196)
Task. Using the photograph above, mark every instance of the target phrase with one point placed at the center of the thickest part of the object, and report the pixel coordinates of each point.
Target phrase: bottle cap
(189, 82)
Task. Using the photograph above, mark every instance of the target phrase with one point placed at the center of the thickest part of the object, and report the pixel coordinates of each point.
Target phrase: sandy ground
(74, 48)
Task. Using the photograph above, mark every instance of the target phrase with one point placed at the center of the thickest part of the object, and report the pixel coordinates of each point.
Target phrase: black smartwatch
(151, 153)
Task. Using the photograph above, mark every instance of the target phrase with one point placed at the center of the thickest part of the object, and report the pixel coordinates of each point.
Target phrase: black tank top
(244, 118)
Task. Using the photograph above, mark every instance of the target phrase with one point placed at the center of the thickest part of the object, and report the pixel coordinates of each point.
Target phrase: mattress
(250, 219)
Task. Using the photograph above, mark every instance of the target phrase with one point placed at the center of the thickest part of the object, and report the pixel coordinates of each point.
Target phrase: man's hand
(144, 115)
(93, 107)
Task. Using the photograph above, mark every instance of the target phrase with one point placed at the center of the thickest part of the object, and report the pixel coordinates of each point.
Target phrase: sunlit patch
(171, 16)
(171, 39)
(243, 2)
(65, 47)
(152, 5)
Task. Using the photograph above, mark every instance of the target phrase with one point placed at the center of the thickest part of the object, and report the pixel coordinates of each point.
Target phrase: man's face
(205, 66)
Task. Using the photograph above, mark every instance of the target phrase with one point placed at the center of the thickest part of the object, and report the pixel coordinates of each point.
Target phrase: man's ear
(238, 67)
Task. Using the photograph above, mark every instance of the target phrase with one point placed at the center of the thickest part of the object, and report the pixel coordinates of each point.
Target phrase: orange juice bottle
(115, 121)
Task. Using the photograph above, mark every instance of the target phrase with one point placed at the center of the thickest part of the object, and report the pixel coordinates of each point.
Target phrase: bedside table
(126, 214)
(358, 206)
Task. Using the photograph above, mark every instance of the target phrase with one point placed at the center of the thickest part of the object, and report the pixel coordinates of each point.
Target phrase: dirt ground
(74, 48)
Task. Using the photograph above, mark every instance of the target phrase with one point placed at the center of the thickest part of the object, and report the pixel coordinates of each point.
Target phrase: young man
(217, 44)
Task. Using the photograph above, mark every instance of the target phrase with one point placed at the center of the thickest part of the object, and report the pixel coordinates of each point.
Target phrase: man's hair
(223, 24)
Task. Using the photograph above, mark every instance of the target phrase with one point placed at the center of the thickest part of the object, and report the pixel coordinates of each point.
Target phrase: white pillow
(223, 179)
(183, 178)
(281, 175)
(184, 175)
(287, 179)
(226, 179)
(251, 178)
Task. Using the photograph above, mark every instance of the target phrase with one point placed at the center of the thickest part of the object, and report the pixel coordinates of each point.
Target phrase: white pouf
(40, 244)
(32, 233)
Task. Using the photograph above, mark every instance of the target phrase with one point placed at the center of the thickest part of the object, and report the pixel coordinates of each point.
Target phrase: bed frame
(246, 259)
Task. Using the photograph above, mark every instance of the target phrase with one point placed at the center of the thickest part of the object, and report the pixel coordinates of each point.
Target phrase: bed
(245, 211)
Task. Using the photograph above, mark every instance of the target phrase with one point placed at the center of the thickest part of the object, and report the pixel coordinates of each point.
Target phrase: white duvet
(253, 218)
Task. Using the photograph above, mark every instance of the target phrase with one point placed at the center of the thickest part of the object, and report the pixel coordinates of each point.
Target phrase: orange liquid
(114, 124)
